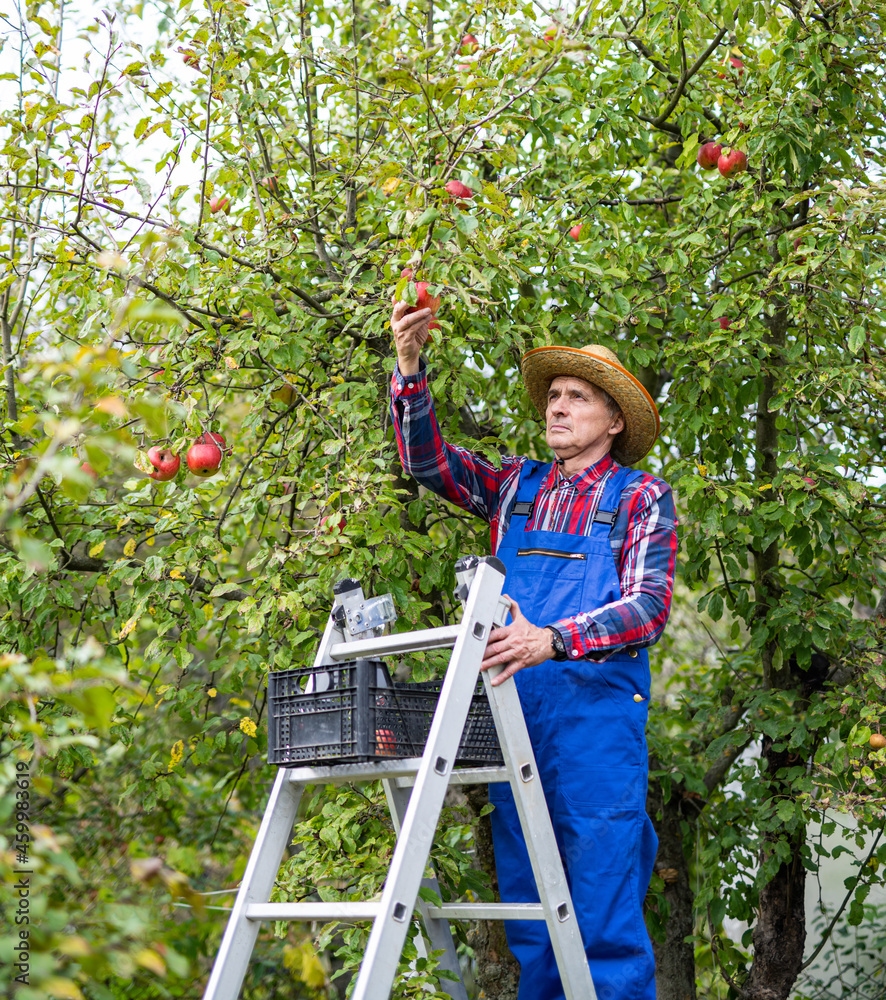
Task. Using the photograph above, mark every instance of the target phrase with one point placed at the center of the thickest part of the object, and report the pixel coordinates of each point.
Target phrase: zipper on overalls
(551, 552)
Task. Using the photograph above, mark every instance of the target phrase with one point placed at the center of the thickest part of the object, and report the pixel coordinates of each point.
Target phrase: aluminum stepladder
(415, 790)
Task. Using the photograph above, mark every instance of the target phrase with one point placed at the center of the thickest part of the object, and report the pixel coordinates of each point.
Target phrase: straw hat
(599, 366)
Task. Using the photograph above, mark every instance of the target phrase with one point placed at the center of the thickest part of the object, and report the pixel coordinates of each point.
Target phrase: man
(589, 545)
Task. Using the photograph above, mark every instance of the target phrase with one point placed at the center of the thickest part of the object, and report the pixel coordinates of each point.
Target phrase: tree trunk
(674, 957)
(780, 932)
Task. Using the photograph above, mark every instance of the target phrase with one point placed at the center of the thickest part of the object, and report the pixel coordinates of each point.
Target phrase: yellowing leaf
(129, 548)
(390, 186)
(64, 989)
(230, 362)
(97, 549)
(248, 726)
(177, 574)
(112, 405)
(208, 610)
(151, 961)
(123, 521)
(212, 692)
(129, 626)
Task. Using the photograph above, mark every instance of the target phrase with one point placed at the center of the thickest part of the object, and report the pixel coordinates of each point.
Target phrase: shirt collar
(582, 481)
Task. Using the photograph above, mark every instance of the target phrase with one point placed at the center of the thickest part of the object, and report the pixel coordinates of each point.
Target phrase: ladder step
(487, 911)
(338, 774)
(369, 910)
(391, 645)
(313, 911)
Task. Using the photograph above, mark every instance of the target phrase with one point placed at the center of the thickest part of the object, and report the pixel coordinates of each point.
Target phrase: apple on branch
(220, 203)
(204, 458)
(469, 45)
(458, 190)
(212, 437)
(735, 64)
(165, 462)
(575, 232)
(708, 155)
(731, 163)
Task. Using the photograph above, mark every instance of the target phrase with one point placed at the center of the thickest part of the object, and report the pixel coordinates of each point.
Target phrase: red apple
(166, 463)
(88, 469)
(735, 63)
(211, 437)
(385, 743)
(809, 481)
(458, 190)
(551, 33)
(327, 523)
(189, 57)
(725, 324)
(733, 162)
(423, 299)
(575, 232)
(708, 155)
(877, 740)
(220, 203)
(469, 45)
(271, 183)
(204, 458)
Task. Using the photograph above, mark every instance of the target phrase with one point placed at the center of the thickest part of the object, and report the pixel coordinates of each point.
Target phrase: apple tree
(202, 231)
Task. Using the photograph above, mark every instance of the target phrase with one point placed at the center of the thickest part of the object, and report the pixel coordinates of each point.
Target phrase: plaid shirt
(643, 538)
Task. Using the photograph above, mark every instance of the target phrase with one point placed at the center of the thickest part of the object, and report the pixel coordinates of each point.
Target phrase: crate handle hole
(399, 912)
(526, 772)
(440, 765)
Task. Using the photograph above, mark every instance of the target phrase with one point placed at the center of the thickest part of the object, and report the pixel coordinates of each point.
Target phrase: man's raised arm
(457, 475)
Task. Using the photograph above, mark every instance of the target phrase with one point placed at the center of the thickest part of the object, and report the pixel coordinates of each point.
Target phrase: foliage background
(139, 619)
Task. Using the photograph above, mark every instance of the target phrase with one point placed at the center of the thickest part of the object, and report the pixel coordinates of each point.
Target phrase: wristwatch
(557, 644)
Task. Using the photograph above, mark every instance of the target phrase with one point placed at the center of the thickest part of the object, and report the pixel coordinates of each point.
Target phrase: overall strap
(607, 509)
(532, 475)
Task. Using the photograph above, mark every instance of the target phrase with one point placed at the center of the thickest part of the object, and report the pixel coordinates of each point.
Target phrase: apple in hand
(165, 462)
(708, 155)
(733, 162)
(423, 299)
(204, 458)
(220, 203)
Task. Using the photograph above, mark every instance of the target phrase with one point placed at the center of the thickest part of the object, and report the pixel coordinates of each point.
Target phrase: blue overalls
(588, 735)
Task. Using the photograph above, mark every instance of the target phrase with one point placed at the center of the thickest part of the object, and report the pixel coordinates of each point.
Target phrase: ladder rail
(388, 932)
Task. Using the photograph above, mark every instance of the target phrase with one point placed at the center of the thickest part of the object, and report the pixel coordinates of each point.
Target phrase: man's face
(579, 428)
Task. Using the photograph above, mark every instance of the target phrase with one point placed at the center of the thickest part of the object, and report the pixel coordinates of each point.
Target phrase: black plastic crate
(353, 712)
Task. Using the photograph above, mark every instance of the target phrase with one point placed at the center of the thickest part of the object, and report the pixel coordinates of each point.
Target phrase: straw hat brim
(542, 365)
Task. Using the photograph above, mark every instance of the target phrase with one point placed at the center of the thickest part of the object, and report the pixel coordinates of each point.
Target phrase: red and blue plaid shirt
(644, 536)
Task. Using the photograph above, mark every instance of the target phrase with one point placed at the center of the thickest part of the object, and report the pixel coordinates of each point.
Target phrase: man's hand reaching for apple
(518, 645)
(410, 335)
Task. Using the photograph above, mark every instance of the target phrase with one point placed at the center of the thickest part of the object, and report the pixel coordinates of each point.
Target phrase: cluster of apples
(204, 458)
(711, 155)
